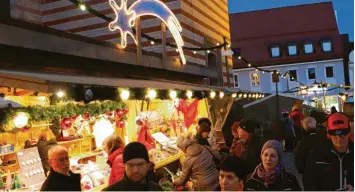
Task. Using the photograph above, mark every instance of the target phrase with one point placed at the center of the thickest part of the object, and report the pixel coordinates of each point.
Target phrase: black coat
(303, 150)
(285, 182)
(58, 182)
(127, 185)
(326, 170)
(253, 155)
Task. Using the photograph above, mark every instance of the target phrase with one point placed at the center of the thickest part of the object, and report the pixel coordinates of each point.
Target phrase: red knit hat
(338, 121)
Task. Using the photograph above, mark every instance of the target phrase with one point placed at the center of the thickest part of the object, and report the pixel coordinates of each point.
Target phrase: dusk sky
(345, 10)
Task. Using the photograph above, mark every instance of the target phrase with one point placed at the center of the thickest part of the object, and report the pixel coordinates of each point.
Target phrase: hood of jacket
(113, 156)
(194, 150)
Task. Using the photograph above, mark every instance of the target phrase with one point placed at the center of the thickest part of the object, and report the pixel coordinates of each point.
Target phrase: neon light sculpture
(125, 20)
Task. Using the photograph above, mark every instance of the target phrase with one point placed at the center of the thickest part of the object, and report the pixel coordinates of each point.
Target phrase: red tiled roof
(255, 31)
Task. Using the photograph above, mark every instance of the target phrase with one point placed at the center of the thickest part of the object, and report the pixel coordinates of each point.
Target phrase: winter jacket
(297, 117)
(128, 185)
(303, 150)
(235, 148)
(327, 170)
(199, 165)
(287, 128)
(285, 182)
(58, 182)
(115, 160)
(252, 157)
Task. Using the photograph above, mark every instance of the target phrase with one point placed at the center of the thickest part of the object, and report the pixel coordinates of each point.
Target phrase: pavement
(291, 168)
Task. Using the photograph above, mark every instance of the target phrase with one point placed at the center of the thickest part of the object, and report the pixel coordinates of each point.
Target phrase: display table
(169, 160)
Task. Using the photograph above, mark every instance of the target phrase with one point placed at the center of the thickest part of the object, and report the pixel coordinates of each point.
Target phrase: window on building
(326, 45)
(236, 84)
(292, 49)
(308, 48)
(311, 73)
(275, 51)
(255, 79)
(329, 72)
(293, 75)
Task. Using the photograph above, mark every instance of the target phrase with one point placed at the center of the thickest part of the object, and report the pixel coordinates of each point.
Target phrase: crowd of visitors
(323, 155)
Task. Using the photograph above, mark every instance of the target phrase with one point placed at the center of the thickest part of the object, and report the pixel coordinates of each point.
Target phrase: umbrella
(6, 103)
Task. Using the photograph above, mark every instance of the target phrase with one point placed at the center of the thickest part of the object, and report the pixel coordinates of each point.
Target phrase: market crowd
(322, 149)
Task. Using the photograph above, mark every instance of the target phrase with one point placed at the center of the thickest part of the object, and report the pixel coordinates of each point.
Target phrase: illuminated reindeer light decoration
(125, 20)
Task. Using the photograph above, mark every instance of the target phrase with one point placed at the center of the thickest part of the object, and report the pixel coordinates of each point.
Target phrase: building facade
(204, 22)
(292, 40)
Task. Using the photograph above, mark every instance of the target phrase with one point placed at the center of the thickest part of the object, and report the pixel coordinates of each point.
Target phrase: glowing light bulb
(124, 94)
(234, 95)
(212, 94)
(217, 44)
(239, 57)
(152, 43)
(172, 94)
(20, 120)
(208, 51)
(249, 65)
(152, 94)
(189, 94)
(60, 94)
(221, 94)
(195, 52)
(229, 46)
(82, 7)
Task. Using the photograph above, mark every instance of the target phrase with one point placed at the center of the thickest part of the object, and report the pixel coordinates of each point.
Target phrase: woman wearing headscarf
(114, 147)
(270, 175)
(198, 165)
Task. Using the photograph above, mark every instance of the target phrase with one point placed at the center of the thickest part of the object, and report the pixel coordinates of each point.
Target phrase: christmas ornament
(125, 111)
(120, 124)
(119, 113)
(66, 123)
(86, 116)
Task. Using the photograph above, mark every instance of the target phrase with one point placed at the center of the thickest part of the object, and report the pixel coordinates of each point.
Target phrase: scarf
(268, 178)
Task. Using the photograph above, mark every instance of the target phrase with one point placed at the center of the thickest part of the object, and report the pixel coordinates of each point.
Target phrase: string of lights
(317, 83)
(88, 8)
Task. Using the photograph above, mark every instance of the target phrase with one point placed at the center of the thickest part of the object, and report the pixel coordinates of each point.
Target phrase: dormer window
(308, 48)
(275, 51)
(292, 49)
(327, 46)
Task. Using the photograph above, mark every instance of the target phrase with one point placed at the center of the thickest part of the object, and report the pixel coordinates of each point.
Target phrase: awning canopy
(49, 83)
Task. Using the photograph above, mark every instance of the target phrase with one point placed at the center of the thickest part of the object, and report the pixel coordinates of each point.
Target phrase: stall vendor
(43, 145)
(60, 177)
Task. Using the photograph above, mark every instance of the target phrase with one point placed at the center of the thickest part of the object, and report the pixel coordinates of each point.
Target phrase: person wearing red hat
(331, 165)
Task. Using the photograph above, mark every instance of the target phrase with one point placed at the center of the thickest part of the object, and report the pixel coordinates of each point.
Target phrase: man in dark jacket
(306, 144)
(288, 132)
(60, 177)
(250, 145)
(331, 166)
(136, 160)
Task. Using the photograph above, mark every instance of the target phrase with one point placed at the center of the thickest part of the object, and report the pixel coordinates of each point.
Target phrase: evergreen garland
(55, 113)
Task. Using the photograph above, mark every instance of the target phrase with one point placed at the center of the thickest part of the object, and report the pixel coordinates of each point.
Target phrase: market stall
(82, 113)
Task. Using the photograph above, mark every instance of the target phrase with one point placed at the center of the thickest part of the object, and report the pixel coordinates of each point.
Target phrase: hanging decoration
(144, 136)
(125, 20)
(59, 115)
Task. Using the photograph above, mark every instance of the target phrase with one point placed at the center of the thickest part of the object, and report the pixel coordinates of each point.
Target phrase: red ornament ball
(86, 116)
(120, 124)
(125, 111)
(119, 113)
(66, 123)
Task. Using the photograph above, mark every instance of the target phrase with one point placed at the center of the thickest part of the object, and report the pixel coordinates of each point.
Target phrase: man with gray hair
(60, 177)
(306, 144)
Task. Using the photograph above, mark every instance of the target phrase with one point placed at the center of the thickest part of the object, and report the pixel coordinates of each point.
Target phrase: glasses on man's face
(132, 165)
(339, 132)
(62, 160)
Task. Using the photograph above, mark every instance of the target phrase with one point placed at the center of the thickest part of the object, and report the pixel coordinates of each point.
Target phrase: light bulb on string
(124, 94)
(188, 94)
(229, 46)
(152, 42)
(212, 94)
(256, 70)
(82, 7)
(234, 95)
(194, 52)
(249, 65)
(217, 44)
(208, 51)
(239, 57)
(172, 94)
(60, 94)
(177, 50)
(151, 94)
(221, 94)
(263, 71)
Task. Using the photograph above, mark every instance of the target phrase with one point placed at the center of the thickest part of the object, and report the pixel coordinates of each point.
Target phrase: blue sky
(345, 10)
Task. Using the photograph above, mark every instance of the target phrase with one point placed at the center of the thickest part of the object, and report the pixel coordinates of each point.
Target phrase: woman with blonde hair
(114, 147)
(198, 164)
